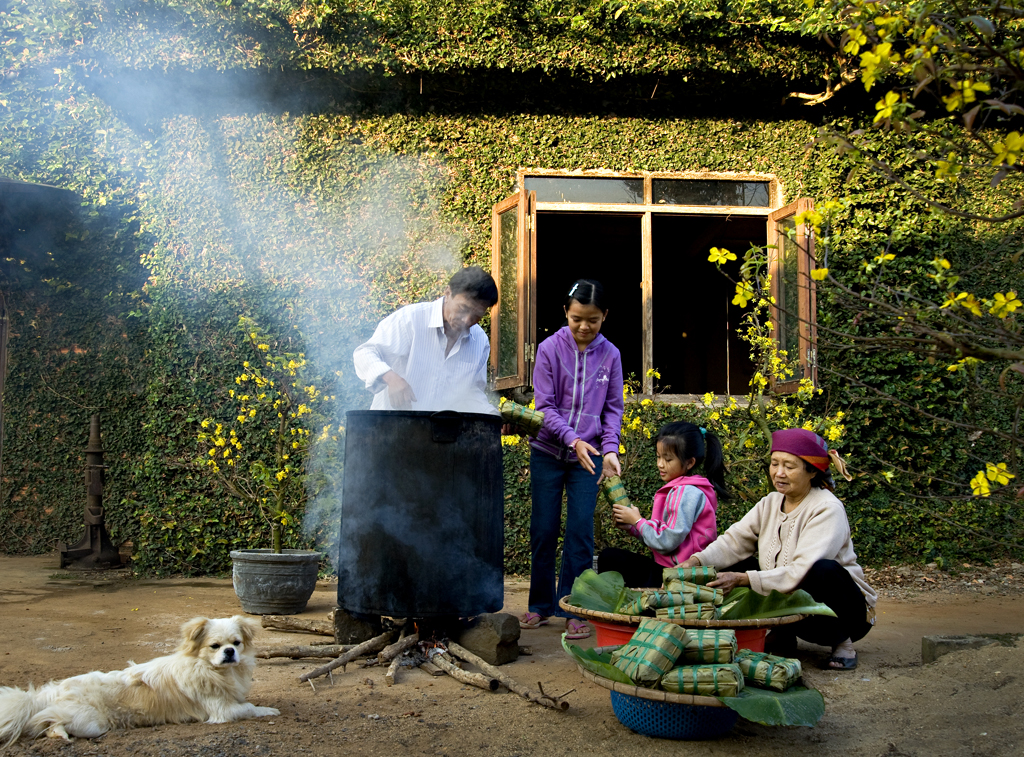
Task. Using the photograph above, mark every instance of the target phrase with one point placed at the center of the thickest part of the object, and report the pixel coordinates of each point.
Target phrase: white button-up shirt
(411, 342)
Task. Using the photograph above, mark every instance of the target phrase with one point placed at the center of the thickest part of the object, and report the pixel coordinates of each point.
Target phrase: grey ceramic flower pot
(268, 583)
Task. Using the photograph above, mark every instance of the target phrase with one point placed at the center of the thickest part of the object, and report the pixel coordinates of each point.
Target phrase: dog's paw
(57, 731)
(262, 712)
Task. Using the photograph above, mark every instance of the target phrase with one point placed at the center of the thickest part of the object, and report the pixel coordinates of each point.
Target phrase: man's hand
(689, 562)
(400, 394)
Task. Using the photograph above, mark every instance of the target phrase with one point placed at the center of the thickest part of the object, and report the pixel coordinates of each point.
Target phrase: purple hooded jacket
(580, 394)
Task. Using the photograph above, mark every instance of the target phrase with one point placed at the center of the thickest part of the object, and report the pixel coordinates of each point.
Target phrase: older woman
(802, 539)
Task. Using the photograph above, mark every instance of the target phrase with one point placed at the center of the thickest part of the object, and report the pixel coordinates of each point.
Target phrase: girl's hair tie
(573, 290)
(703, 431)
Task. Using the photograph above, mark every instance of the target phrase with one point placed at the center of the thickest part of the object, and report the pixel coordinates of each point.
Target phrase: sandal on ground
(576, 629)
(840, 663)
(532, 620)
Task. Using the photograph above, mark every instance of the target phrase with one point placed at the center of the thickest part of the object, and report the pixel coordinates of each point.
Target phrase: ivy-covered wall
(247, 159)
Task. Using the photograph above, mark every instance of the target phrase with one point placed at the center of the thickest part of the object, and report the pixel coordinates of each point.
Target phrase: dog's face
(221, 642)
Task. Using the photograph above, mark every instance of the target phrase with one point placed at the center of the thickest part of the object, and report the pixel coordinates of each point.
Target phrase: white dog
(207, 678)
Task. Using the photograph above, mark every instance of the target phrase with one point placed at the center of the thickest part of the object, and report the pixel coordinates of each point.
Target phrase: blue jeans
(548, 477)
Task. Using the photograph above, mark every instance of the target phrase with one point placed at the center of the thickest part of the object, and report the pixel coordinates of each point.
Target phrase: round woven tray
(657, 695)
(634, 620)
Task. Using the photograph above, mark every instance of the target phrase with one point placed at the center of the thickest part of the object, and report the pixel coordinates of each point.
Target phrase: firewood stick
(370, 646)
(507, 681)
(462, 676)
(298, 625)
(395, 650)
(392, 675)
(297, 653)
(431, 668)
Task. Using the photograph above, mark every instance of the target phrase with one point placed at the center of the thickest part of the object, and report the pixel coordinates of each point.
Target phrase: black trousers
(829, 583)
(638, 571)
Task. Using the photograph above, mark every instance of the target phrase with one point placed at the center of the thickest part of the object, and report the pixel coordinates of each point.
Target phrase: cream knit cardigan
(788, 544)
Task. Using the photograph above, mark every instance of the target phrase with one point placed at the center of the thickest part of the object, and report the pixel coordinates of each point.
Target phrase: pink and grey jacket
(580, 394)
(682, 520)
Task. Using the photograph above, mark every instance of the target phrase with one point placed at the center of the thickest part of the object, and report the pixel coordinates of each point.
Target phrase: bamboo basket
(614, 628)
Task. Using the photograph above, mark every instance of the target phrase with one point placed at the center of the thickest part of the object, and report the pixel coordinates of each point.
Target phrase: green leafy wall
(246, 158)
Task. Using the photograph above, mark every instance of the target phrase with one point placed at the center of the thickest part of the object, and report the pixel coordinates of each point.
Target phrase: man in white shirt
(432, 355)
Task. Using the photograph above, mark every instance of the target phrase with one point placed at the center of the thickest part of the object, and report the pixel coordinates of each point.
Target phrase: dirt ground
(966, 703)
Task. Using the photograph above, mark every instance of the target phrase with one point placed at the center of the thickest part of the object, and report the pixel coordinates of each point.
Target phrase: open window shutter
(790, 260)
(510, 266)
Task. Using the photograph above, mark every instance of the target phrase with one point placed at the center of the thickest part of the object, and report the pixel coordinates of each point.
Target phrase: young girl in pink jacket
(682, 518)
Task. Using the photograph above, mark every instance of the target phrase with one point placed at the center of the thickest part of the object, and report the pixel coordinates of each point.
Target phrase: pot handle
(446, 425)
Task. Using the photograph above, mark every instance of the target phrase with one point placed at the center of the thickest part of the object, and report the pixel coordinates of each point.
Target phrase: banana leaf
(599, 664)
(743, 603)
(798, 706)
(604, 592)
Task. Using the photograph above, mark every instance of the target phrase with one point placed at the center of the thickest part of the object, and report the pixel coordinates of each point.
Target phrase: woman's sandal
(531, 620)
(840, 663)
(576, 629)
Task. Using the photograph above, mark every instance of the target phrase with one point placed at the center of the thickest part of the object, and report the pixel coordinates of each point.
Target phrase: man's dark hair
(475, 282)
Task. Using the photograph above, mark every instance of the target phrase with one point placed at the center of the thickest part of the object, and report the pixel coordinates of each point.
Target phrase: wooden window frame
(528, 207)
(806, 293)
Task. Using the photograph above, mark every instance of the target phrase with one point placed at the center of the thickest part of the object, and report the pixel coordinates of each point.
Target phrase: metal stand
(95, 551)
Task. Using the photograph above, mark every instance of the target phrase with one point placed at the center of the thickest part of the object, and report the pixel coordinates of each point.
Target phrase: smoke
(267, 184)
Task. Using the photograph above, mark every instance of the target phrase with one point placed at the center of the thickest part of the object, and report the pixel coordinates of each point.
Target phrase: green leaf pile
(598, 664)
(603, 592)
(743, 603)
(798, 706)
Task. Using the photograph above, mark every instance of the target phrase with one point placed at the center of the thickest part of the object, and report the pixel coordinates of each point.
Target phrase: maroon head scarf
(808, 446)
(805, 444)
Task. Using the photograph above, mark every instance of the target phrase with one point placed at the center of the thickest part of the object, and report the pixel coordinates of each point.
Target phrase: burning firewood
(375, 644)
(298, 653)
(555, 703)
(395, 651)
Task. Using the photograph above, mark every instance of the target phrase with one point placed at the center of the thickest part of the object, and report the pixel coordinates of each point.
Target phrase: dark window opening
(697, 348)
(607, 248)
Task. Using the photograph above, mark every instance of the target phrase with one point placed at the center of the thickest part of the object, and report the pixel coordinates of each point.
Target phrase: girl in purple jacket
(682, 518)
(577, 381)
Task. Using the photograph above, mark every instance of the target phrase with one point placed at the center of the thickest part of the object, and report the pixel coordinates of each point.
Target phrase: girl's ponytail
(714, 464)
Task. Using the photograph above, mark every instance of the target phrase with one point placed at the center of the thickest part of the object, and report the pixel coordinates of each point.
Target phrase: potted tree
(260, 458)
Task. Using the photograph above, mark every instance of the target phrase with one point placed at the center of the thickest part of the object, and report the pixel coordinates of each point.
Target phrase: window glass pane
(508, 297)
(789, 294)
(745, 194)
(571, 189)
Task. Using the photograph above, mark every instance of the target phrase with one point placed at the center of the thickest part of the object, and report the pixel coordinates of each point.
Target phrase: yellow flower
(885, 106)
(280, 475)
(1004, 304)
(744, 293)
(998, 473)
(651, 372)
(622, 449)
(646, 402)
(295, 445)
(708, 399)
(1009, 150)
(819, 274)
(979, 485)
(964, 93)
(720, 255)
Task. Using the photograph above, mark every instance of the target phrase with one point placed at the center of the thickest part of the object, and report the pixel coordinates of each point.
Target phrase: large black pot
(422, 529)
